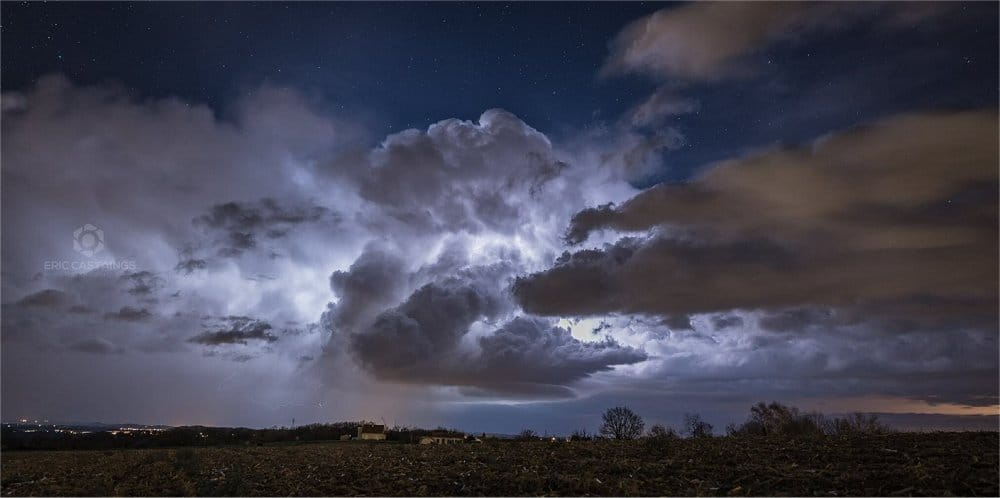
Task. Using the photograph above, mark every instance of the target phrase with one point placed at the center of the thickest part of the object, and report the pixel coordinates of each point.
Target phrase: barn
(443, 437)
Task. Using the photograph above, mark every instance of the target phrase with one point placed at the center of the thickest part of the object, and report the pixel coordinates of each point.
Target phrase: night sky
(497, 216)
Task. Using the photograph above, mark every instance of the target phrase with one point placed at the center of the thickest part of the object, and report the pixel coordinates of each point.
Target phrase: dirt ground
(895, 465)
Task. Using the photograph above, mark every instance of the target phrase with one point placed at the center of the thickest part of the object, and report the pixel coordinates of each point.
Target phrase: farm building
(443, 437)
(371, 432)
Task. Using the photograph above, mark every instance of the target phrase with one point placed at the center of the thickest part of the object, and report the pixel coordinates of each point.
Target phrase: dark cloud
(374, 282)
(720, 322)
(265, 213)
(143, 283)
(531, 350)
(784, 229)
(237, 330)
(932, 366)
(48, 298)
(601, 327)
(190, 265)
(660, 276)
(241, 241)
(240, 223)
(678, 322)
(918, 312)
(129, 314)
(425, 331)
(424, 340)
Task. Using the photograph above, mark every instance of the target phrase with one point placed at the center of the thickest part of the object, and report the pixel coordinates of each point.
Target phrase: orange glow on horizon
(882, 404)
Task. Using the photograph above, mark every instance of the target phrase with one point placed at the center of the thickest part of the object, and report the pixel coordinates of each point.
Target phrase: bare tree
(694, 426)
(621, 423)
(528, 435)
(775, 418)
(858, 423)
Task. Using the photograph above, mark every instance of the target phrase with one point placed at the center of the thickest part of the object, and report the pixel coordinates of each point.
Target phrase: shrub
(777, 419)
(858, 423)
(694, 426)
(186, 460)
(658, 431)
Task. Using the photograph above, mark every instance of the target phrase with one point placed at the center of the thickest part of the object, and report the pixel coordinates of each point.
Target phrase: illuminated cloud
(497, 269)
(251, 246)
(864, 256)
(710, 40)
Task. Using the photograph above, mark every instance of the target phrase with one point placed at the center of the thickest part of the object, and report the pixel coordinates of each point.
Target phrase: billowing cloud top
(250, 242)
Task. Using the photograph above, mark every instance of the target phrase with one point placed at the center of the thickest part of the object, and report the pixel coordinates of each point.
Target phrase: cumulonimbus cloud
(424, 341)
(412, 244)
(395, 223)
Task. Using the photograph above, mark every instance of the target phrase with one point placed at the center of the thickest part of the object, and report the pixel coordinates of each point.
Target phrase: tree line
(766, 419)
(620, 422)
(15, 439)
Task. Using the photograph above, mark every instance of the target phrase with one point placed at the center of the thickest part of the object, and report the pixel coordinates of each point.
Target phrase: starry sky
(498, 215)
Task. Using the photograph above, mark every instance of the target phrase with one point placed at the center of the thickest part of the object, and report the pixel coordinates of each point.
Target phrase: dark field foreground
(896, 464)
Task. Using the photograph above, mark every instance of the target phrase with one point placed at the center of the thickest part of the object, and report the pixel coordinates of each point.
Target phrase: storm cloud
(282, 257)
(237, 330)
(427, 339)
(237, 227)
(531, 350)
(901, 209)
(129, 314)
